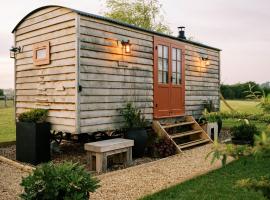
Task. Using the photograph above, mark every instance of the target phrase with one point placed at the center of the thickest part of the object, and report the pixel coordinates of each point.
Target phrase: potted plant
(33, 137)
(212, 122)
(135, 124)
(244, 133)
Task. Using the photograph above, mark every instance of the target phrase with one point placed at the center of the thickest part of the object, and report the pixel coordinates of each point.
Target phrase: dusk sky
(241, 28)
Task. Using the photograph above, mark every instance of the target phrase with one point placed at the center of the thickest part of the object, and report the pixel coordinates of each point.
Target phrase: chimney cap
(181, 27)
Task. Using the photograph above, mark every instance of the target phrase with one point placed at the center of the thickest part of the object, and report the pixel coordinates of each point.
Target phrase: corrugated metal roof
(118, 23)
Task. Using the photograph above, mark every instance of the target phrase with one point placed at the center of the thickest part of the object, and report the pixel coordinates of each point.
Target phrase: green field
(241, 106)
(7, 125)
(219, 184)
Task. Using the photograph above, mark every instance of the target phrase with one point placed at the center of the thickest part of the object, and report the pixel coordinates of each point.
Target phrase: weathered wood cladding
(86, 52)
(109, 77)
(202, 80)
(48, 86)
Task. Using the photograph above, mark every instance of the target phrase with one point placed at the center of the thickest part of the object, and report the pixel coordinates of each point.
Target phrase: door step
(177, 124)
(183, 134)
(191, 135)
(193, 143)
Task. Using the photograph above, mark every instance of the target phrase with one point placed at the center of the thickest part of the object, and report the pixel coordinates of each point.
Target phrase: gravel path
(130, 183)
(138, 181)
(10, 178)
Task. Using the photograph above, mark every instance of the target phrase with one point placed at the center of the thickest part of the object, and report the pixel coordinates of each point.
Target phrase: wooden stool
(102, 149)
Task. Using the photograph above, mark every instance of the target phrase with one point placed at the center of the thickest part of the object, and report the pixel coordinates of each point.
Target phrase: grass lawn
(219, 184)
(7, 125)
(241, 106)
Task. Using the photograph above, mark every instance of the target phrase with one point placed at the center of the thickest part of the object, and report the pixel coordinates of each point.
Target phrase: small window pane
(165, 49)
(179, 81)
(165, 77)
(160, 51)
(165, 65)
(174, 66)
(41, 53)
(178, 66)
(174, 78)
(178, 54)
(174, 53)
(159, 63)
(160, 76)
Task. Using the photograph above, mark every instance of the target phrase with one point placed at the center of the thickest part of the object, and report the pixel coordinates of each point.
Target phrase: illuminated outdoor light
(127, 46)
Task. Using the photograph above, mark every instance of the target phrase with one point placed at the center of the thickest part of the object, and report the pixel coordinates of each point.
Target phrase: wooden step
(186, 133)
(177, 124)
(193, 143)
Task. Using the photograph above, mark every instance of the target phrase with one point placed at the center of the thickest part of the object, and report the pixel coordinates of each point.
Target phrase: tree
(1, 92)
(143, 13)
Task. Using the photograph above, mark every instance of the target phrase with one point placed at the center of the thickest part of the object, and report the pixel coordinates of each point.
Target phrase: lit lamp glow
(127, 46)
(205, 59)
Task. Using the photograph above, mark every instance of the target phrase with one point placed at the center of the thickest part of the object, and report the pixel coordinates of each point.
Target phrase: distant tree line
(237, 91)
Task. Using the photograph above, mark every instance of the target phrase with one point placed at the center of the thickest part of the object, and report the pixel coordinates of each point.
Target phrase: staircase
(185, 133)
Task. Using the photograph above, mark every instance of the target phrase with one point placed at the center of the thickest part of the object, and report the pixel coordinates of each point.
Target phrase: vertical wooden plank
(77, 72)
(15, 74)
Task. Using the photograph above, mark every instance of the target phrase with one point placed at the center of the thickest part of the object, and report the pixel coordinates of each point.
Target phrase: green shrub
(66, 181)
(244, 131)
(133, 116)
(237, 115)
(262, 185)
(210, 117)
(35, 115)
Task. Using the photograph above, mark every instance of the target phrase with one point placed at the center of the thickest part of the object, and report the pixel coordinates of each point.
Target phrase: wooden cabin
(84, 67)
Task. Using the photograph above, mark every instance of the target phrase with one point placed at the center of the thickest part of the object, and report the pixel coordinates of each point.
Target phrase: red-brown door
(168, 79)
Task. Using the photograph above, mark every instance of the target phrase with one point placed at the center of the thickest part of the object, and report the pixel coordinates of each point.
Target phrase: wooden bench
(102, 149)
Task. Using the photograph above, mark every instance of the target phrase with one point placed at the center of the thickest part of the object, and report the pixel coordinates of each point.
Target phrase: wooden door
(169, 89)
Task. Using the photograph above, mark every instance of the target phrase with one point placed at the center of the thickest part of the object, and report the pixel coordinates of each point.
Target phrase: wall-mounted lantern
(126, 45)
(13, 51)
(205, 59)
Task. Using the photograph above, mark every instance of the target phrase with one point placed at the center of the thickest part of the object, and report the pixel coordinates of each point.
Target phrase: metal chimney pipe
(182, 32)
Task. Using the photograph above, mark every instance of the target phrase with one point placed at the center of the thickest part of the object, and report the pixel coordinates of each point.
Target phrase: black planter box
(33, 142)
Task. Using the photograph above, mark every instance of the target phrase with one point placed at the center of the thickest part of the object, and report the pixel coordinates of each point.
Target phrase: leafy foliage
(261, 148)
(237, 91)
(1, 92)
(241, 115)
(210, 117)
(66, 181)
(133, 116)
(35, 115)
(262, 184)
(245, 131)
(259, 96)
(142, 13)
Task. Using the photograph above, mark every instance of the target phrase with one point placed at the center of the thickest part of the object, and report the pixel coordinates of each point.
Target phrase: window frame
(37, 47)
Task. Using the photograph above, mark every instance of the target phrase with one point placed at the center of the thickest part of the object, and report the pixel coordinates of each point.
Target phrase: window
(176, 66)
(163, 63)
(41, 53)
